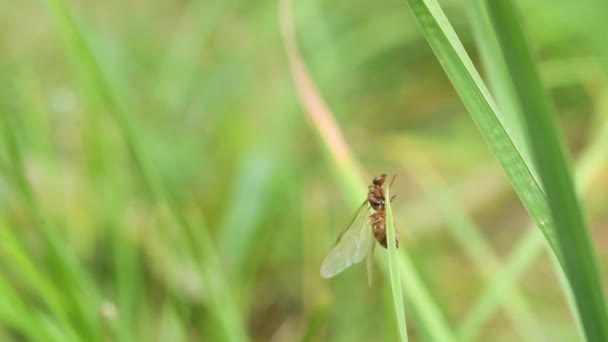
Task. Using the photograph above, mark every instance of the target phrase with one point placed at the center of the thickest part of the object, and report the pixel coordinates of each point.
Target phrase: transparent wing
(352, 246)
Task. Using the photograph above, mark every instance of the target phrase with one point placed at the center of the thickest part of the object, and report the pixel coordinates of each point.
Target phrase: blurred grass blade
(80, 292)
(570, 226)
(527, 250)
(393, 268)
(97, 80)
(347, 172)
(498, 78)
(240, 224)
(220, 301)
(476, 98)
(532, 244)
(15, 312)
(464, 231)
(423, 304)
(316, 109)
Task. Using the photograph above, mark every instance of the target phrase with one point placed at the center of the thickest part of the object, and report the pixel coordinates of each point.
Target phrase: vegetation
(176, 171)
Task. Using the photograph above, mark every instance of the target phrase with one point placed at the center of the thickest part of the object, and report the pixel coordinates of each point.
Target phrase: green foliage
(176, 171)
(570, 226)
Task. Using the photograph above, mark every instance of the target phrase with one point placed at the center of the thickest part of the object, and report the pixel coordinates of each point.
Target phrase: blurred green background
(161, 180)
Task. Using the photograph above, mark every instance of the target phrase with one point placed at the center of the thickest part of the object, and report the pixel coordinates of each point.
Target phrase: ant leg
(392, 181)
(393, 197)
(396, 235)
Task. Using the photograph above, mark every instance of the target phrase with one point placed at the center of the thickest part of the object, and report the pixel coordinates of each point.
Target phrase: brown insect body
(376, 200)
(356, 242)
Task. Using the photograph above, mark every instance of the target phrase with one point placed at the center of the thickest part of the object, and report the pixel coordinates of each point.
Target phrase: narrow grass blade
(426, 309)
(97, 78)
(570, 226)
(347, 172)
(393, 268)
(98, 81)
(240, 223)
(476, 98)
(171, 327)
(128, 282)
(504, 90)
(498, 78)
(527, 250)
(79, 292)
(464, 231)
(532, 244)
(36, 281)
(317, 110)
(14, 311)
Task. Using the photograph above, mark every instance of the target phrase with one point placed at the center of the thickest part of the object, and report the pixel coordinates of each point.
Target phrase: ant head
(379, 179)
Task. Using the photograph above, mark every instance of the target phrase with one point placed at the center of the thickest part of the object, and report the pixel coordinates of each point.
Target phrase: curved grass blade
(465, 232)
(69, 271)
(347, 172)
(221, 303)
(480, 105)
(532, 244)
(13, 310)
(570, 226)
(498, 78)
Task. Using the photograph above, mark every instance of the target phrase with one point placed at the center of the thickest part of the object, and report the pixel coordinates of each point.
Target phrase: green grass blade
(424, 305)
(97, 78)
(15, 312)
(15, 255)
(528, 249)
(171, 328)
(464, 231)
(393, 268)
(532, 244)
(238, 229)
(588, 166)
(498, 78)
(221, 299)
(79, 291)
(570, 226)
(348, 173)
(476, 98)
